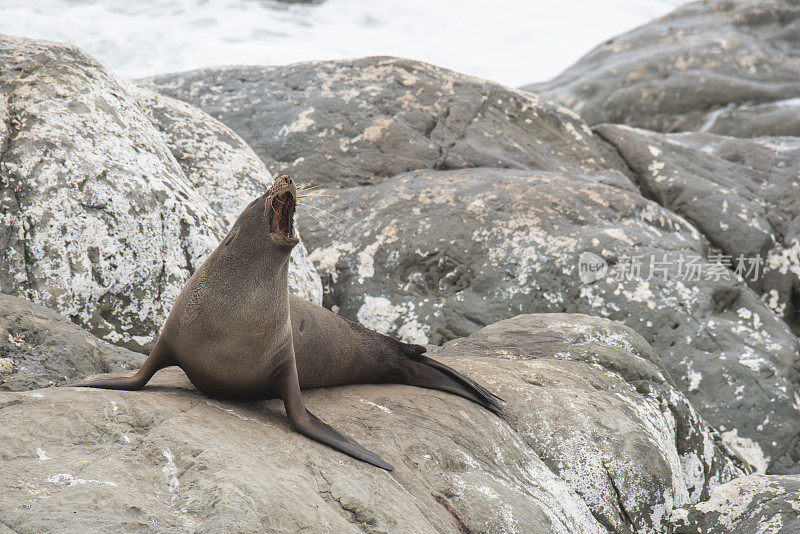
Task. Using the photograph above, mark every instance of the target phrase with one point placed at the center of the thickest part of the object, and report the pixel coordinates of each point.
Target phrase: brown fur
(237, 333)
(229, 328)
(332, 351)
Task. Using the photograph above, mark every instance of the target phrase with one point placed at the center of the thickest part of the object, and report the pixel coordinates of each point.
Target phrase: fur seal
(237, 333)
(229, 328)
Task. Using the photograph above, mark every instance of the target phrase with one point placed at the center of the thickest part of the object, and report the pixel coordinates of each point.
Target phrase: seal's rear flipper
(427, 373)
(311, 426)
(159, 358)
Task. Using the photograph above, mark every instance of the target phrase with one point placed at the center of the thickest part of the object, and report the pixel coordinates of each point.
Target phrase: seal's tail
(426, 372)
(158, 359)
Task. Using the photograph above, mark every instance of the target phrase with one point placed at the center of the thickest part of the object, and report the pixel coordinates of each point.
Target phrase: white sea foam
(510, 41)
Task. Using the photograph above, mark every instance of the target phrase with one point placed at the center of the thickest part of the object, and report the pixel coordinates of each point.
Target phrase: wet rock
(726, 67)
(39, 348)
(360, 121)
(755, 504)
(97, 218)
(742, 194)
(596, 438)
(429, 256)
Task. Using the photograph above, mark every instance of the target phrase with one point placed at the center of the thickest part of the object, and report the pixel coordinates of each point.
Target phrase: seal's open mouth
(283, 213)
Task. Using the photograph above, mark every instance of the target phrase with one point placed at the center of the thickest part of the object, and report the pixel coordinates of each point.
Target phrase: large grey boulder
(39, 348)
(596, 439)
(727, 67)
(742, 194)
(98, 219)
(755, 504)
(583, 367)
(360, 121)
(432, 255)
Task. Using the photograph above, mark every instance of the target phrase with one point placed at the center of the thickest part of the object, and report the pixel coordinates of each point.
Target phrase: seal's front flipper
(311, 426)
(159, 358)
(424, 372)
(343, 443)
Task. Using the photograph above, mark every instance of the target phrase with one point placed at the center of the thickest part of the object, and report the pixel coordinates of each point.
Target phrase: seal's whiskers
(319, 209)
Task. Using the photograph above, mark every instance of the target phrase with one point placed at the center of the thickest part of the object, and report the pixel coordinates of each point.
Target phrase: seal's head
(266, 226)
(279, 205)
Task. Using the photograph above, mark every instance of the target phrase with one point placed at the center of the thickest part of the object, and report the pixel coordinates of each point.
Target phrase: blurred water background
(510, 41)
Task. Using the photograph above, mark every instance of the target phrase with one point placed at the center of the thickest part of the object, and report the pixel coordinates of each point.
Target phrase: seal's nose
(288, 180)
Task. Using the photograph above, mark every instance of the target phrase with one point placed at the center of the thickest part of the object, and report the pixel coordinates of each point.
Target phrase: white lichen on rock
(747, 449)
(381, 315)
(103, 223)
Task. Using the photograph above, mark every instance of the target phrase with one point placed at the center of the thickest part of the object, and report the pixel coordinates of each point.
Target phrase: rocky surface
(754, 504)
(742, 194)
(97, 218)
(112, 194)
(360, 121)
(595, 439)
(432, 255)
(39, 348)
(721, 66)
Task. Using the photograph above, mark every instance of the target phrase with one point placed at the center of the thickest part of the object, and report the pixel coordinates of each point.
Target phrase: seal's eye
(283, 212)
